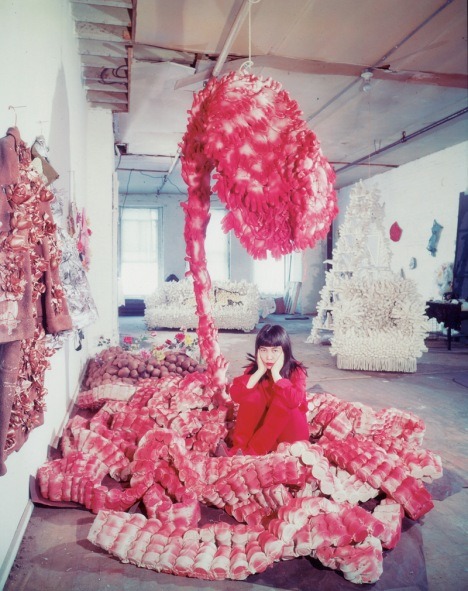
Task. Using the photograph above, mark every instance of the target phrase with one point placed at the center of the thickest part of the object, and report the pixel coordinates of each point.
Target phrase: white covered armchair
(235, 305)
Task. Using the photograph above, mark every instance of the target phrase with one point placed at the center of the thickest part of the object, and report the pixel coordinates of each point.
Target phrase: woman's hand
(256, 376)
(277, 366)
(262, 368)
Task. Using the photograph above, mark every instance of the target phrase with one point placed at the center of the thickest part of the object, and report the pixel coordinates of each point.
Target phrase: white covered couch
(235, 305)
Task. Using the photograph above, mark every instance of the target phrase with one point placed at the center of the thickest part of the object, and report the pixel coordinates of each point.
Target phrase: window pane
(139, 251)
(269, 275)
(217, 247)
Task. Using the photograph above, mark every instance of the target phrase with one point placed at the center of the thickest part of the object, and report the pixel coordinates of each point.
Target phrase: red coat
(270, 412)
(27, 234)
(291, 391)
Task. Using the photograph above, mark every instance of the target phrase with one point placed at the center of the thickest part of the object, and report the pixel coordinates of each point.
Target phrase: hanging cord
(249, 63)
(16, 114)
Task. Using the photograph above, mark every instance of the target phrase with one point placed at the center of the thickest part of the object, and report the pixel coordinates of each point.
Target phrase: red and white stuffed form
(301, 500)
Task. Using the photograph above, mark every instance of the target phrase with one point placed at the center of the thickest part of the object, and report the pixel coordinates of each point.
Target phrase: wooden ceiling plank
(332, 69)
(99, 61)
(98, 86)
(111, 3)
(107, 49)
(105, 77)
(105, 15)
(100, 32)
(429, 78)
(111, 106)
(160, 54)
(98, 96)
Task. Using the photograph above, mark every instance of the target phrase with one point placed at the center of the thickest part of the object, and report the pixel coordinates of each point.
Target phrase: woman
(271, 395)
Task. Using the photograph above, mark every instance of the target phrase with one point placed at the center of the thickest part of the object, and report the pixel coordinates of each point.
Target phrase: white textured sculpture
(377, 317)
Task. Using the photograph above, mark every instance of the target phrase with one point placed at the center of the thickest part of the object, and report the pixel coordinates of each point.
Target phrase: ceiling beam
(117, 108)
(332, 69)
(106, 3)
(236, 25)
(102, 86)
(106, 96)
(147, 53)
(104, 14)
(107, 49)
(101, 32)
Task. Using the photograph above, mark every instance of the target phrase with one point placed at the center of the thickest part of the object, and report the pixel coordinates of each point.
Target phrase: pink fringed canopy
(270, 171)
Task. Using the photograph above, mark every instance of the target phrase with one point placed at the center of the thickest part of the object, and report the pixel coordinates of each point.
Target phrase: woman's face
(269, 355)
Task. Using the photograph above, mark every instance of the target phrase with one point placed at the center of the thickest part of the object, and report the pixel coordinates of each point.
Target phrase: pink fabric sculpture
(301, 500)
(395, 232)
(270, 173)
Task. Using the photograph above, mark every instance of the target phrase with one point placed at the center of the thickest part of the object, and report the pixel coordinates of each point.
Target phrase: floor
(432, 554)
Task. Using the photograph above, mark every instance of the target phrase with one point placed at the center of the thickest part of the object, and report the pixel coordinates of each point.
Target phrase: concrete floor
(432, 554)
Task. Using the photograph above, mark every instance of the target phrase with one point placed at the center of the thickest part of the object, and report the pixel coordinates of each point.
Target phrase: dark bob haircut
(274, 335)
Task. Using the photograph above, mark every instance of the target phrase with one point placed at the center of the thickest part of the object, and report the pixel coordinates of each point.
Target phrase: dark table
(448, 313)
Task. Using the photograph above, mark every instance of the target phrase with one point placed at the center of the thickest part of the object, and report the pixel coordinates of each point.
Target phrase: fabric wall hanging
(73, 274)
(32, 302)
(435, 237)
(395, 232)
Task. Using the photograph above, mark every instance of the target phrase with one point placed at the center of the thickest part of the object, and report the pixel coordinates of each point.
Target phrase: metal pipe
(405, 138)
(236, 25)
(380, 60)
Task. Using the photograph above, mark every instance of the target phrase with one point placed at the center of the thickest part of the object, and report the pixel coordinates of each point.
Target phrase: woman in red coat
(271, 395)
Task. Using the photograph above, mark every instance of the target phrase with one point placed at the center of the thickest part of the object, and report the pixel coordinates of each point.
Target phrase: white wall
(313, 276)
(415, 195)
(41, 76)
(102, 213)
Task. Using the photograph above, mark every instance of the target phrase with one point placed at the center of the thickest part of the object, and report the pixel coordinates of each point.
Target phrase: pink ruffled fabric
(270, 171)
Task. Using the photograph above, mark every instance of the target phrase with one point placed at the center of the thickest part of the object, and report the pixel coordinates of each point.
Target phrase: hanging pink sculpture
(269, 172)
(301, 500)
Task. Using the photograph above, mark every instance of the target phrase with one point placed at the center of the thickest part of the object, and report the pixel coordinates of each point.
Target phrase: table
(450, 314)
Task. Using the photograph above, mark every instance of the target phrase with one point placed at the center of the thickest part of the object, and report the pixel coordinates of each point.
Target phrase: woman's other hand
(277, 366)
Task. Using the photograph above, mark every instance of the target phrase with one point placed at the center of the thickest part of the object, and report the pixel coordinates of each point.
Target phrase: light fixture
(366, 76)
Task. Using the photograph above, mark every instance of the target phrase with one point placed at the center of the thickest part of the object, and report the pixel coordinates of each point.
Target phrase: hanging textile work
(270, 173)
(433, 243)
(83, 232)
(376, 318)
(33, 304)
(73, 276)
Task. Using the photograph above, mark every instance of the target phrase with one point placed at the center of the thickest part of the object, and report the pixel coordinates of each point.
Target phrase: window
(269, 275)
(217, 247)
(139, 253)
(272, 276)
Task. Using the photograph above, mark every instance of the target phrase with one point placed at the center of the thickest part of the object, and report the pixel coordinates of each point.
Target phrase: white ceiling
(317, 49)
